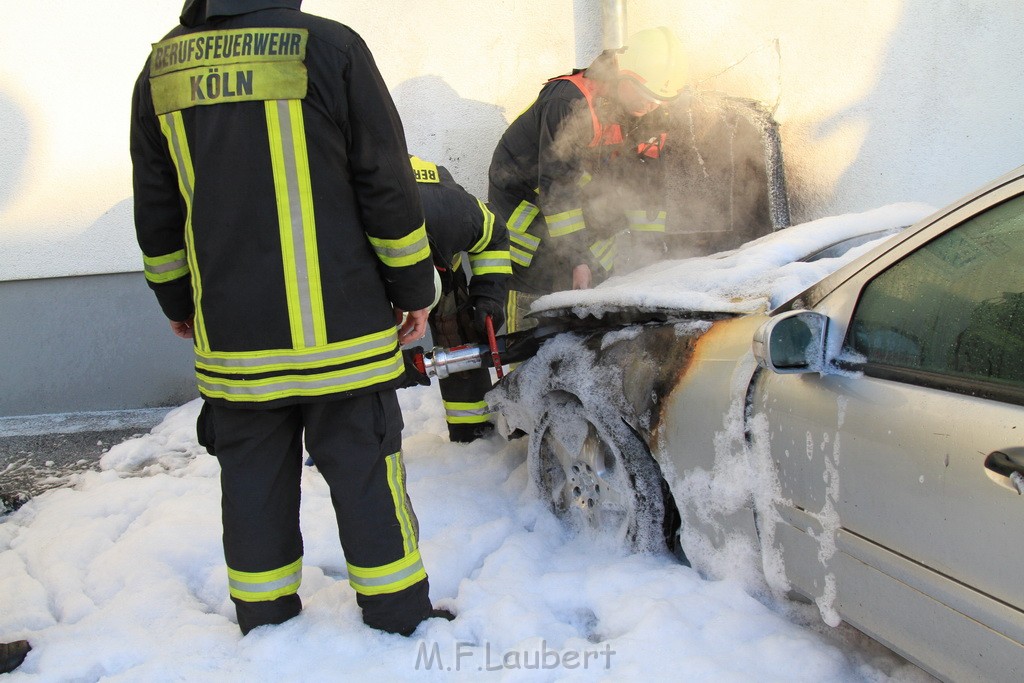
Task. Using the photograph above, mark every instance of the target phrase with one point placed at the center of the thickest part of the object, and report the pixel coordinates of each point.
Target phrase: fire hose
(514, 347)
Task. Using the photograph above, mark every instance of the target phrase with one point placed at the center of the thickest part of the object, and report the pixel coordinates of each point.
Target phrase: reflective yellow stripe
(160, 269)
(486, 228)
(173, 128)
(404, 251)
(520, 257)
(275, 360)
(390, 578)
(522, 245)
(565, 223)
(396, 482)
(604, 251)
(638, 220)
(318, 384)
(490, 262)
(511, 304)
(521, 218)
(296, 223)
(529, 243)
(522, 248)
(474, 412)
(269, 585)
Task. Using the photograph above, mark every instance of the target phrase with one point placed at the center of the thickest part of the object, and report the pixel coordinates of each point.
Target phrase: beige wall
(879, 100)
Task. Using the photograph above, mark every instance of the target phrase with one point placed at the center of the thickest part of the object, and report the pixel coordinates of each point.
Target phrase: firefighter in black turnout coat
(282, 231)
(458, 223)
(579, 172)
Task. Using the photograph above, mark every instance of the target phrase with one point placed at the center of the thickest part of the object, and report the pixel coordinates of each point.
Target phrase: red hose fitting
(492, 342)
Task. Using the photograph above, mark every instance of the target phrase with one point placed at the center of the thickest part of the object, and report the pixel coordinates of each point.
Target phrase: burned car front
(597, 399)
(865, 453)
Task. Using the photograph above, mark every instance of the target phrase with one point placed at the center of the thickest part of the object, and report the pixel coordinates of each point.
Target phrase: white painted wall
(879, 100)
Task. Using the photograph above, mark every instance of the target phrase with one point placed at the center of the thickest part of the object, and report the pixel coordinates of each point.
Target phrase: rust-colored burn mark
(694, 347)
(652, 363)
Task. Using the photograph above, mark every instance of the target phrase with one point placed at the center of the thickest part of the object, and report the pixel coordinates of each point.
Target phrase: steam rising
(718, 177)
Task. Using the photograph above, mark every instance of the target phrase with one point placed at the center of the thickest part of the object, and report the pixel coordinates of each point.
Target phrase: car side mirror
(791, 342)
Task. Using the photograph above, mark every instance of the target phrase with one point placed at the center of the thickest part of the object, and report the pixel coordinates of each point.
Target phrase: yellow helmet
(654, 59)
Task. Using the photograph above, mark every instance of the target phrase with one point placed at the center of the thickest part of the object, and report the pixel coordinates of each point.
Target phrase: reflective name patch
(238, 65)
(424, 171)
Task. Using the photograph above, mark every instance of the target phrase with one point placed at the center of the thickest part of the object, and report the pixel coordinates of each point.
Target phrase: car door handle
(1010, 464)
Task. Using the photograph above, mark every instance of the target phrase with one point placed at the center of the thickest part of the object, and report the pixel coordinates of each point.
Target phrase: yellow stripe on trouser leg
(265, 586)
(403, 508)
(461, 412)
(517, 306)
(390, 578)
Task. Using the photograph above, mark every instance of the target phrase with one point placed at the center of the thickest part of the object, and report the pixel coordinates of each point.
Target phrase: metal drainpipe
(613, 24)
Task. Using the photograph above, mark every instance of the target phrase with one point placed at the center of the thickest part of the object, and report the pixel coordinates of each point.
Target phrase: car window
(953, 308)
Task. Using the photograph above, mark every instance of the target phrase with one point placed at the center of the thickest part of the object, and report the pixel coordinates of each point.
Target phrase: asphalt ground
(41, 452)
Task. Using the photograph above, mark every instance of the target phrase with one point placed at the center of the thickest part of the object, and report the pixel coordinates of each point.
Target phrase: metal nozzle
(443, 362)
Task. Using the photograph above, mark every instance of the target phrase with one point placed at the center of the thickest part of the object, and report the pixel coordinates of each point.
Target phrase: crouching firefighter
(458, 223)
(282, 232)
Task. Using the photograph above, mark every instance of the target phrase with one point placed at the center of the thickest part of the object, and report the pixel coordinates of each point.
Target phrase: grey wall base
(90, 343)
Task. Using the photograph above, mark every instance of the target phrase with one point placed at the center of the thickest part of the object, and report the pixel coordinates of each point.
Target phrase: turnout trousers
(451, 324)
(356, 444)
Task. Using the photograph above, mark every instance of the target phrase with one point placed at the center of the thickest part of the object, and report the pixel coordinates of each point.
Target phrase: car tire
(598, 475)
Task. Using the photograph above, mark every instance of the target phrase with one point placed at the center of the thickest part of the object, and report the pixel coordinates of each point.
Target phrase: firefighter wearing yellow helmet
(578, 173)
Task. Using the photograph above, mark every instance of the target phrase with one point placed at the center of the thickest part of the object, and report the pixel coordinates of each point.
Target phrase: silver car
(861, 445)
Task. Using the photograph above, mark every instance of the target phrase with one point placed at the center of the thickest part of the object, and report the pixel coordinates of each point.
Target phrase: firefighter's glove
(413, 375)
(484, 306)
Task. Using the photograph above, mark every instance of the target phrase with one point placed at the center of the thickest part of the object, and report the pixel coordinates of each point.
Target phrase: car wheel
(598, 475)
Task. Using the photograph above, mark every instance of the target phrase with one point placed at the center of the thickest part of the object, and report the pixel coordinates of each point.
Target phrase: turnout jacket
(576, 164)
(275, 204)
(457, 223)
(460, 224)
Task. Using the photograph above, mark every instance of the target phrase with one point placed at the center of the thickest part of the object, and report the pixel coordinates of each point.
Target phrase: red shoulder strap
(603, 135)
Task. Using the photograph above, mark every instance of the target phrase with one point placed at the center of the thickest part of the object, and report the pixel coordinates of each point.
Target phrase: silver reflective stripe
(520, 257)
(465, 412)
(167, 267)
(638, 220)
(521, 218)
(299, 227)
(566, 223)
(526, 240)
(267, 586)
(395, 577)
(186, 182)
(604, 251)
(399, 253)
(325, 356)
(482, 263)
(299, 383)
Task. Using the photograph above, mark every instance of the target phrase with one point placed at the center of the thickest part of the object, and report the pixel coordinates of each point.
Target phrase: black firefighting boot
(13, 654)
(435, 613)
(467, 433)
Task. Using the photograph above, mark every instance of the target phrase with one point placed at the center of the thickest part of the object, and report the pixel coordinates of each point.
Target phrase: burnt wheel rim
(586, 483)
